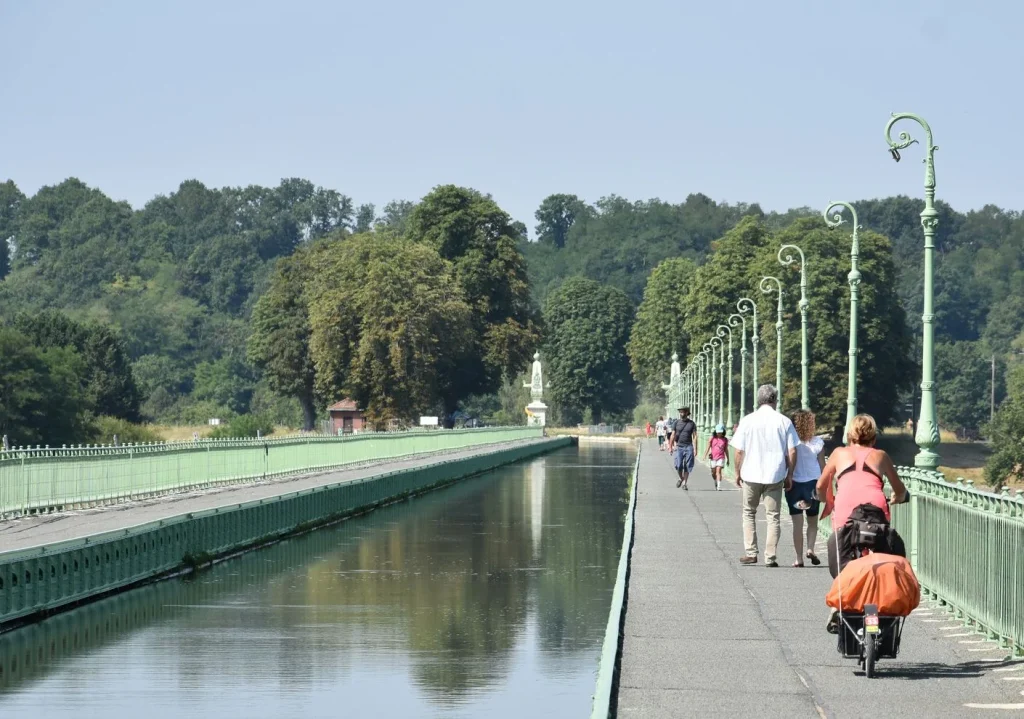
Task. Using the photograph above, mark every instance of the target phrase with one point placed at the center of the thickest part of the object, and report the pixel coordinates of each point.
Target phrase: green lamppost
(766, 288)
(702, 423)
(722, 329)
(745, 305)
(710, 349)
(717, 342)
(733, 319)
(788, 259)
(928, 424)
(854, 279)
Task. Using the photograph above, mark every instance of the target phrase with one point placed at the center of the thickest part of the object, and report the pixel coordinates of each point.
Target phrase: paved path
(49, 528)
(707, 637)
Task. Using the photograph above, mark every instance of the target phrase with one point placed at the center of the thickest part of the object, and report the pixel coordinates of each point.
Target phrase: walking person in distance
(718, 449)
(801, 496)
(684, 442)
(765, 455)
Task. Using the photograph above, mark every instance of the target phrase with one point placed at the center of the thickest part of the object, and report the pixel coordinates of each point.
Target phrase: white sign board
(428, 421)
(214, 421)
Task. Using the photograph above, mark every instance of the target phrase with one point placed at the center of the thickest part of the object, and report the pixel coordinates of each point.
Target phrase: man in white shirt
(765, 444)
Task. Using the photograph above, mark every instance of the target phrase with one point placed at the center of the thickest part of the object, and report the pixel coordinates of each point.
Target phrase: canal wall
(40, 580)
(605, 694)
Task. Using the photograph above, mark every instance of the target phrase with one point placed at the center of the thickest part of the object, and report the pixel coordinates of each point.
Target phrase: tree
(389, 325)
(365, 216)
(962, 384)
(726, 277)
(587, 327)
(1007, 434)
(227, 383)
(40, 392)
(555, 217)
(108, 385)
(481, 242)
(279, 343)
(658, 331)
(10, 204)
(396, 215)
(884, 364)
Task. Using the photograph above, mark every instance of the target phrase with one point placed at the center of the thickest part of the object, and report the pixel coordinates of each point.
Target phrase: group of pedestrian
(778, 456)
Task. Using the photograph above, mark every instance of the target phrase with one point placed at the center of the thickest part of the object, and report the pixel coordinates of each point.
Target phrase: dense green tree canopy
(963, 379)
(108, 384)
(180, 280)
(279, 343)
(481, 242)
(41, 400)
(389, 325)
(587, 326)
(659, 330)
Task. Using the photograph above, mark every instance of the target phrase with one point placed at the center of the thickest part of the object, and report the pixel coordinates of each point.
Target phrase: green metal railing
(966, 546)
(48, 577)
(41, 479)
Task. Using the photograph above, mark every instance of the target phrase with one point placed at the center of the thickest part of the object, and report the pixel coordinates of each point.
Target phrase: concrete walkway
(50, 528)
(707, 637)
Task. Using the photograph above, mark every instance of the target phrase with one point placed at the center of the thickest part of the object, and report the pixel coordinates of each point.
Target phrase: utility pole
(992, 393)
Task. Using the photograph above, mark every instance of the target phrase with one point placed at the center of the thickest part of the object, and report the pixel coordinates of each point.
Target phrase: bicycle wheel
(870, 654)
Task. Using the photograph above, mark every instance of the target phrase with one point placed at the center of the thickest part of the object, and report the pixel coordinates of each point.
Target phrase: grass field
(959, 459)
(183, 433)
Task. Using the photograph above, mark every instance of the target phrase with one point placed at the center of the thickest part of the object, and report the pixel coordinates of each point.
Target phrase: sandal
(814, 558)
(798, 563)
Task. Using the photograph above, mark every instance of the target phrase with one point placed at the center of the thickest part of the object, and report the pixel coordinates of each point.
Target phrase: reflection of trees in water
(448, 582)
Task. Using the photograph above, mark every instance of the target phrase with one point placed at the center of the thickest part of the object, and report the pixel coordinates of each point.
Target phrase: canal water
(485, 599)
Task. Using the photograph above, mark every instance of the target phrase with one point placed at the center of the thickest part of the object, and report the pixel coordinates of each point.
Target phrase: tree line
(276, 301)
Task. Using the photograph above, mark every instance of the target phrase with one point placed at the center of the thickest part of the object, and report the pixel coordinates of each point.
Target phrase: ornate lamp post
(722, 329)
(766, 287)
(716, 341)
(854, 279)
(733, 319)
(927, 425)
(702, 388)
(788, 259)
(710, 349)
(744, 305)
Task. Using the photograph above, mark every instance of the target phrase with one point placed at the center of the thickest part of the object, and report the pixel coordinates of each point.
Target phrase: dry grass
(960, 459)
(179, 433)
(183, 433)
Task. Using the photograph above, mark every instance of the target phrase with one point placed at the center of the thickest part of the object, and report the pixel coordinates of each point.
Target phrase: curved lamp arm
(789, 259)
(837, 217)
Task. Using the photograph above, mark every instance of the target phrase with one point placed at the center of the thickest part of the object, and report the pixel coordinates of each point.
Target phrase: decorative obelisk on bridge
(536, 411)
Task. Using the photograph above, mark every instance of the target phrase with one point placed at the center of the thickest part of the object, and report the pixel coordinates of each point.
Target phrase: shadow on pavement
(932, 670)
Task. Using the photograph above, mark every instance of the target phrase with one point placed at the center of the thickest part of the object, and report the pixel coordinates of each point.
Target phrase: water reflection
(485, 599)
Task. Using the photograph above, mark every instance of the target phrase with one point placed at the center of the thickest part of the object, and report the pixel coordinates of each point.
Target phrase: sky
(782, 103)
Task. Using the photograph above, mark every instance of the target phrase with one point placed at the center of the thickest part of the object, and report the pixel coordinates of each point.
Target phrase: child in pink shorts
(718, 449)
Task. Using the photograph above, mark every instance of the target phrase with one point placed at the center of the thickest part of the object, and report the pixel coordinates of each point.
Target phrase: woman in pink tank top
(859, 471)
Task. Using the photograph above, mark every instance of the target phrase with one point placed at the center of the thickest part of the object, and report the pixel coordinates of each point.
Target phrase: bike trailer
(883, 580)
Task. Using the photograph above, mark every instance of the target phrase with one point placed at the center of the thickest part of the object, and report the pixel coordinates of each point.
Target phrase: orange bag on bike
(881, 579)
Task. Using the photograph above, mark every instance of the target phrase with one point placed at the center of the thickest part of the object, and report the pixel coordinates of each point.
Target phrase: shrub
(104, 429)
(244, 425)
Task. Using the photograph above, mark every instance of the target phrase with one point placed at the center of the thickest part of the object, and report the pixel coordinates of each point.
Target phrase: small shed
(346, 417)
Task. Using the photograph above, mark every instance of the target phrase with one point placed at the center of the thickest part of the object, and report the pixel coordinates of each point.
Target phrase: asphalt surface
(59, 526)
(705, 636)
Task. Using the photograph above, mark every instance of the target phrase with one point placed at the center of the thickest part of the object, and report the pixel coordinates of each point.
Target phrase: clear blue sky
(781, 103)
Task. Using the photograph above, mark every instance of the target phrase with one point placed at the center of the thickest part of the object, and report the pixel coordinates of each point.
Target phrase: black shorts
(661, 439)
(804, 491)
